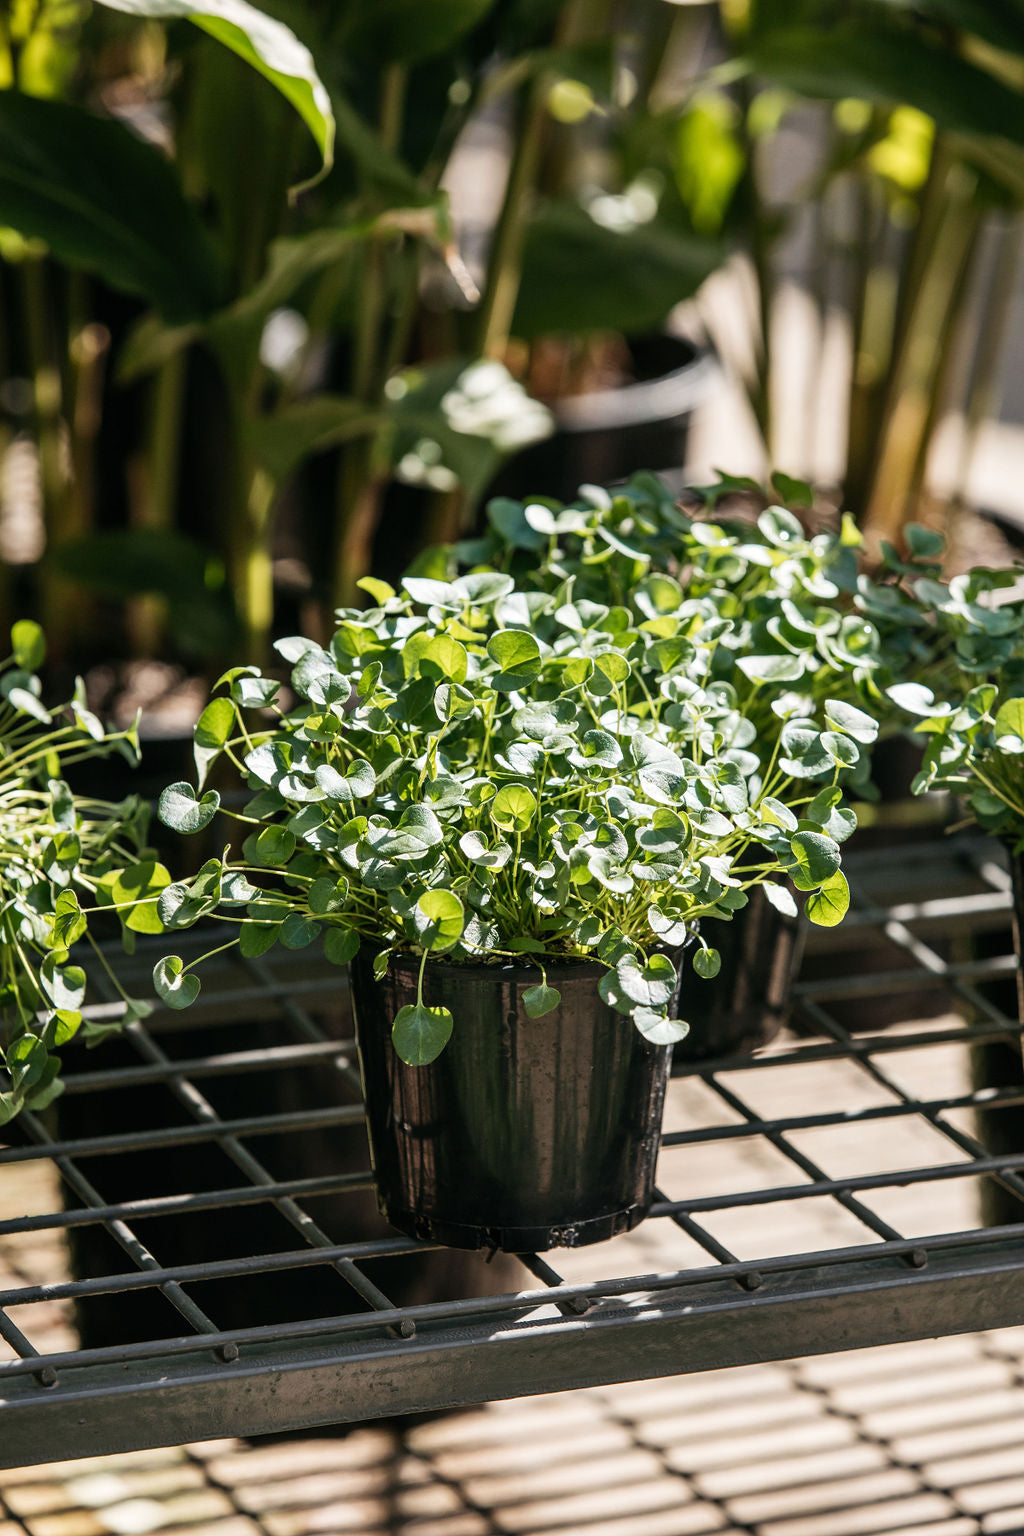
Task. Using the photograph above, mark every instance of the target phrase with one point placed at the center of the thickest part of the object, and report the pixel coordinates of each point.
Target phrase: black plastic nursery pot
(604, 436)
(524, 1134)
(1017, 876)
(746, 1005)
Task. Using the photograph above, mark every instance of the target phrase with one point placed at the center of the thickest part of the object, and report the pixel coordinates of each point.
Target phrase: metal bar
(122, 1233)
(185, 1135)
(271, 1059)
(1005, 1241)
(204, 1112)
(180, 1205)
(981, 1098)
(124, 1407)
(806, 1164)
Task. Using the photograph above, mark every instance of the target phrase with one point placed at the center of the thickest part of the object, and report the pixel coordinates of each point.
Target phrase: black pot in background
(604, 437)
(1017, 876)
(525, 1134)
(747, 1003)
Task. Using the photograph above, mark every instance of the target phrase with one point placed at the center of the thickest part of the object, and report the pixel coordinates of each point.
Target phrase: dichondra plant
(491, 773)
(64, 859)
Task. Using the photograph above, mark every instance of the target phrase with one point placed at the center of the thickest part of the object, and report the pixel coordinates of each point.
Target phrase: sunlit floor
(924, 1438)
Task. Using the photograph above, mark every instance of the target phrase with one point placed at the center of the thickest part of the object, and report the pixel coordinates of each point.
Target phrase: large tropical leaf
(580, 276)
(411, 30)
(876, 60)
(1000, 22)
(268, 45)
(102, 199)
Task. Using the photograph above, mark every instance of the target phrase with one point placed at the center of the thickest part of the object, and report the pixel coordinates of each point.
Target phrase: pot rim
(672, 394)
(567, 967)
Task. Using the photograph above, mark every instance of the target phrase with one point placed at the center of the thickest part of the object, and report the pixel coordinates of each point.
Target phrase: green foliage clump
(63, 858)
(489, 772)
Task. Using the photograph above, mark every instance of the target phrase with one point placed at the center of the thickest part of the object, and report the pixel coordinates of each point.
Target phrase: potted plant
(477, 797)
(974, 728)
(66, 861)
(803, 619)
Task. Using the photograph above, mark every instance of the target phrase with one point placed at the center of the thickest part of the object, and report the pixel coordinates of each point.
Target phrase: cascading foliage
(489, 772)
(64, 858)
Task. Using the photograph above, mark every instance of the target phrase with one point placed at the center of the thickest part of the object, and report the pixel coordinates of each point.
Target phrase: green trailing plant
(67, 862)
(488, 772)
(803, 616)
(973, 732)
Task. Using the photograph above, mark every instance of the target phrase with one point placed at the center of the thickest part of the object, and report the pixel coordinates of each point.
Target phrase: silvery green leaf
(916, 699)
(781, 898)
(855, 722)
(477, 850)
(782, 668)
(669, 928)
(294, 647)
(175, 986)
(707, 963)
(651, 985)
(179, 809)
(842, 749)
(816, 858)
(658, 1028)
(357, 783)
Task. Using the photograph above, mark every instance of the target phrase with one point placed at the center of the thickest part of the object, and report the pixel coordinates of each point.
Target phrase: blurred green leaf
(410, 31)
(102, 199)
(888, 63)
(580, 276)
(281, 441)
(265, 43)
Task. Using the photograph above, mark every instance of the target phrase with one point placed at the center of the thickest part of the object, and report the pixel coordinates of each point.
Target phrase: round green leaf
(817, 859)
(1009, 722)
(830, 905)
(63, 984)
(651, 985)
(540, 1000)
(271, 848)
(444, 918)
(213, 730)
(358, 782)
(69, 921)
(297, 931)
(658, 1028)
(518, 657)
(179, 809)
(175, 986)
(328, 894)
(28, 644)
(513, 808)
(340, 945)
(855, 722)
(707, 963)
(420, 1033)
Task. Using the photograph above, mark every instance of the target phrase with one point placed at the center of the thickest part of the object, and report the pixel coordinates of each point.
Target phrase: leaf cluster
(974, 733)
(63, 858)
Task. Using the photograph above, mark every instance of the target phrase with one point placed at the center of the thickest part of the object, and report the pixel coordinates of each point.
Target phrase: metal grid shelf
(240, 1122)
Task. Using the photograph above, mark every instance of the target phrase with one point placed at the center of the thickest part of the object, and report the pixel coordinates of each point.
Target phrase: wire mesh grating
(209, 1193)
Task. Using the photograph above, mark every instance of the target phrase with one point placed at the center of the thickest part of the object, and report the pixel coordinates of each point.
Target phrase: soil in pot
(524, 1134)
